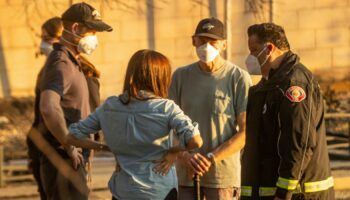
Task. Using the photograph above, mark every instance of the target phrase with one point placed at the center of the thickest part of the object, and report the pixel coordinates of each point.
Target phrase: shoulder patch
(295, 94)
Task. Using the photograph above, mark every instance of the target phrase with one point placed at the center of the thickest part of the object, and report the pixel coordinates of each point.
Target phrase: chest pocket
(222, 103)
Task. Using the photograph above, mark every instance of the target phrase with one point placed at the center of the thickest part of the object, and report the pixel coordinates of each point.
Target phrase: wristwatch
(101, 147)
(211, 157)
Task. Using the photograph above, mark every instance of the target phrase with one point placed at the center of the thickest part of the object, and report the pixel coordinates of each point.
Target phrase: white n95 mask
(253, 65)
(207, 53)
(86, 44)
(45, 48)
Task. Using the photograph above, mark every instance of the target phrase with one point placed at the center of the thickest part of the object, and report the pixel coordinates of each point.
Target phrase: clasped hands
(195, 163)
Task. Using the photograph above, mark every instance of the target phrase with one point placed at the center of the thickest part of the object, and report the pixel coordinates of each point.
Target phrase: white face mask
(45, 48)
(253, 65)
(207, 53)
(87, 44)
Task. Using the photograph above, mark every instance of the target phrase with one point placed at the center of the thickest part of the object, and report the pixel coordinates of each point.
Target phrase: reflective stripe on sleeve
(287, 184)
(318, 186)
(267, 191)
(246, 191)
(309, 187)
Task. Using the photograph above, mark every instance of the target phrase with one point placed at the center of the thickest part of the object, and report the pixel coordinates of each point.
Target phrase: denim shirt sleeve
(182, 124)
(84, 128)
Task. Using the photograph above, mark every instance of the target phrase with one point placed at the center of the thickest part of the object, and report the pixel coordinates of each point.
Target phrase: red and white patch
(295, 94)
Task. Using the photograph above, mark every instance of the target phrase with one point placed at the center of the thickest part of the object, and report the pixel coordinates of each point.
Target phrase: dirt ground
(103, 168)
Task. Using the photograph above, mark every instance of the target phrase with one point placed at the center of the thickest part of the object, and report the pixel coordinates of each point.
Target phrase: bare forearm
(55, 122)
(85, 143)
(230, 147)
(235, 143)
(194, 143)
(53, 116)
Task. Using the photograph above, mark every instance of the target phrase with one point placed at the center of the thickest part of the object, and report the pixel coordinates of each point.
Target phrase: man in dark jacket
(285, 156)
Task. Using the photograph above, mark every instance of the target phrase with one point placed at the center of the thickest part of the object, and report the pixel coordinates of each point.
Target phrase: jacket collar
(64, 49)
(277, 76)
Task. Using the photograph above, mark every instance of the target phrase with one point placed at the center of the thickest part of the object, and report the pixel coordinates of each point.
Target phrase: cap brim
(98, 25)
(209, 35)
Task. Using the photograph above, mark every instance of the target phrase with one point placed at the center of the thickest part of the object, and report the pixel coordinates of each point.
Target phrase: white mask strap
(62, 38)
(261, 51)
(70, 32)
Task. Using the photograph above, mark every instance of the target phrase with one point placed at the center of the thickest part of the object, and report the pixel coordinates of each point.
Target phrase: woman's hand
(164, 164)
(103, 147)
(75, 155)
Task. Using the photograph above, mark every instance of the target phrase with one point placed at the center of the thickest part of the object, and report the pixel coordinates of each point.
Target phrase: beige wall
(318, 30)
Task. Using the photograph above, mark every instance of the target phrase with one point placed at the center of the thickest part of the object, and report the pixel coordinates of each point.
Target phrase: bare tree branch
(200, 2)
(257, 8)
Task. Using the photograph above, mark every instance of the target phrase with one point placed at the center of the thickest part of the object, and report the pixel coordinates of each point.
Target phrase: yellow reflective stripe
(287, 183)
(264, 191)
(267, 191)
(246, 191)
(319, 185)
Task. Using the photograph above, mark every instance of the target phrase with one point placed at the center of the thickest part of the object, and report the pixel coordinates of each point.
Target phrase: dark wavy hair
(150, 71)
(53, 27)
(88, 68)
(270, 32)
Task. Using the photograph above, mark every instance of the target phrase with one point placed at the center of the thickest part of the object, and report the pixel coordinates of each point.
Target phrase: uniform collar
(277, 76)
(61, 47)
(287, 64)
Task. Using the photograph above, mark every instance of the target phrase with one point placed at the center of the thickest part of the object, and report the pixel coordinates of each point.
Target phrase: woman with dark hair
(51, 32)
(137, 126)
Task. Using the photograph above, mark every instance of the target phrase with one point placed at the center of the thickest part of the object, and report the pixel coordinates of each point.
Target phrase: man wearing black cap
(212, 92)
(64, 97)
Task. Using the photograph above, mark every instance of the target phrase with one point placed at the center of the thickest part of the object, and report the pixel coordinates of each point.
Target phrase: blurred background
(318, 31)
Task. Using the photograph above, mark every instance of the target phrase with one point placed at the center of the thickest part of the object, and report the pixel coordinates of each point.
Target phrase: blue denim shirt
(138, 134)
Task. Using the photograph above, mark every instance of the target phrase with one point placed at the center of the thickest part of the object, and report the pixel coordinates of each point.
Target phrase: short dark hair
(270, 32)
(148, 70)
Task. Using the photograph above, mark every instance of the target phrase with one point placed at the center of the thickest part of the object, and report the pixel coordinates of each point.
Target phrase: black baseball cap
(212, 28)
(87, 15)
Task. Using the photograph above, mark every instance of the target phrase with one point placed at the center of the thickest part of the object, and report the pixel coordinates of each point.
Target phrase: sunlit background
(318, 31)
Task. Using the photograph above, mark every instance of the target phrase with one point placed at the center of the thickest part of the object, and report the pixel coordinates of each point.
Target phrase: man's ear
(193, 41)
(75, 27)
(270, 47)
(224, 45)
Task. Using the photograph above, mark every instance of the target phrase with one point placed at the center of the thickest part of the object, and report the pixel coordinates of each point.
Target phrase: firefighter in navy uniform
(285, 156)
